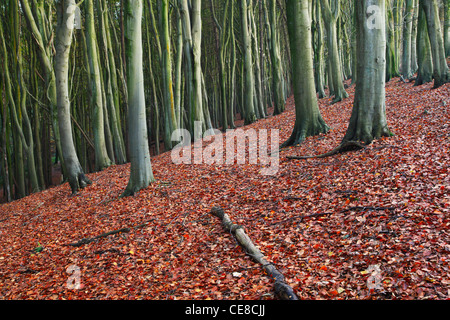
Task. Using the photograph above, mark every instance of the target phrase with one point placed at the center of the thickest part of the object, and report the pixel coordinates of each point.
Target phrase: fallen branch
(343, 147)
(104, 235)
(319, 214)
(282, 290)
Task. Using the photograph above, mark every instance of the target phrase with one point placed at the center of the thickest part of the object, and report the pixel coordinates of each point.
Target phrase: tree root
(104, 235)
(343, 147)
(282, 290)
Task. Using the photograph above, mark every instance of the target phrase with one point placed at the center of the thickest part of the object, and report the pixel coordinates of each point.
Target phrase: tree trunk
(166, 64)
(141, 174)
(249, 115)
(391, 53)
(191, 20)
(447, 27)
(196, 20)
(232, 85)
(414, 65)
(39, 23)
(275, 57)
(441, 73)
(368, 119)
(407, 32)
(259, 99)
(155, 103)
(102, 160)
(331, 16)
(282, 290)
(424, 56)
(63, 41)
(308, 120)
(319, 54)
(112, 90)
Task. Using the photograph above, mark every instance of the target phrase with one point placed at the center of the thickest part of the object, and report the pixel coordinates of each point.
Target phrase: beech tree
(308, 120)
(102, 160)
(331, 10)
(368, 119)
(63, 41)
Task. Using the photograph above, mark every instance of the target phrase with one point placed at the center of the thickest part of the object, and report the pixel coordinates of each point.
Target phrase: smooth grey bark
(154, 98)
(102, 160)
(368, 119)
(441, 73)
(308, 120)
(170, 123)
(63, 42)
(141, 174)
(424, 56)
(391, 68)
(192, 35)
(447, 27)
(319, 52)
(178, 65)
(232, 86)
(249, 106)
(39, 20)
(407, 34)
(259, 103)
(275, 58)
(25, 134)
(331, 11)
(196, 20)
(110, 83)
(414, 65)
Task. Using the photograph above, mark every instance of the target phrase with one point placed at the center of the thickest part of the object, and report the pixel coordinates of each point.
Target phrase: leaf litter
(324, 223)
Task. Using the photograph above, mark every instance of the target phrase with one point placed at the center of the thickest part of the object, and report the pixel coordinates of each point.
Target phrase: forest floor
(379, 230)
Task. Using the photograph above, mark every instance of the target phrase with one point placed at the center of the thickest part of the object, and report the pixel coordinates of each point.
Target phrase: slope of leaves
(323, 222)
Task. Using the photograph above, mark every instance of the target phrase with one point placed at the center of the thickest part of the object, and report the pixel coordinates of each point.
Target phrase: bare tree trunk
(63, 41)
(424, 56)
(440, 68)
(102, 160)
(249, 115)
(407, 33)
(330, 12)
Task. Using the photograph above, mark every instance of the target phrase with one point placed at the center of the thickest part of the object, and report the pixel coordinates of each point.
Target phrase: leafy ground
(380, 216)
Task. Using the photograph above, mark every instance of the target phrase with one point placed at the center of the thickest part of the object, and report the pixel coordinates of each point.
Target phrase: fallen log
(282, 290)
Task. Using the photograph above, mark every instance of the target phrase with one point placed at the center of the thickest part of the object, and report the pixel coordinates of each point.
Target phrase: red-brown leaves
(387, 206)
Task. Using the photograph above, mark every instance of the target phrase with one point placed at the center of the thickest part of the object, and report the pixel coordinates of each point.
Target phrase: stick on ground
(282, 290)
